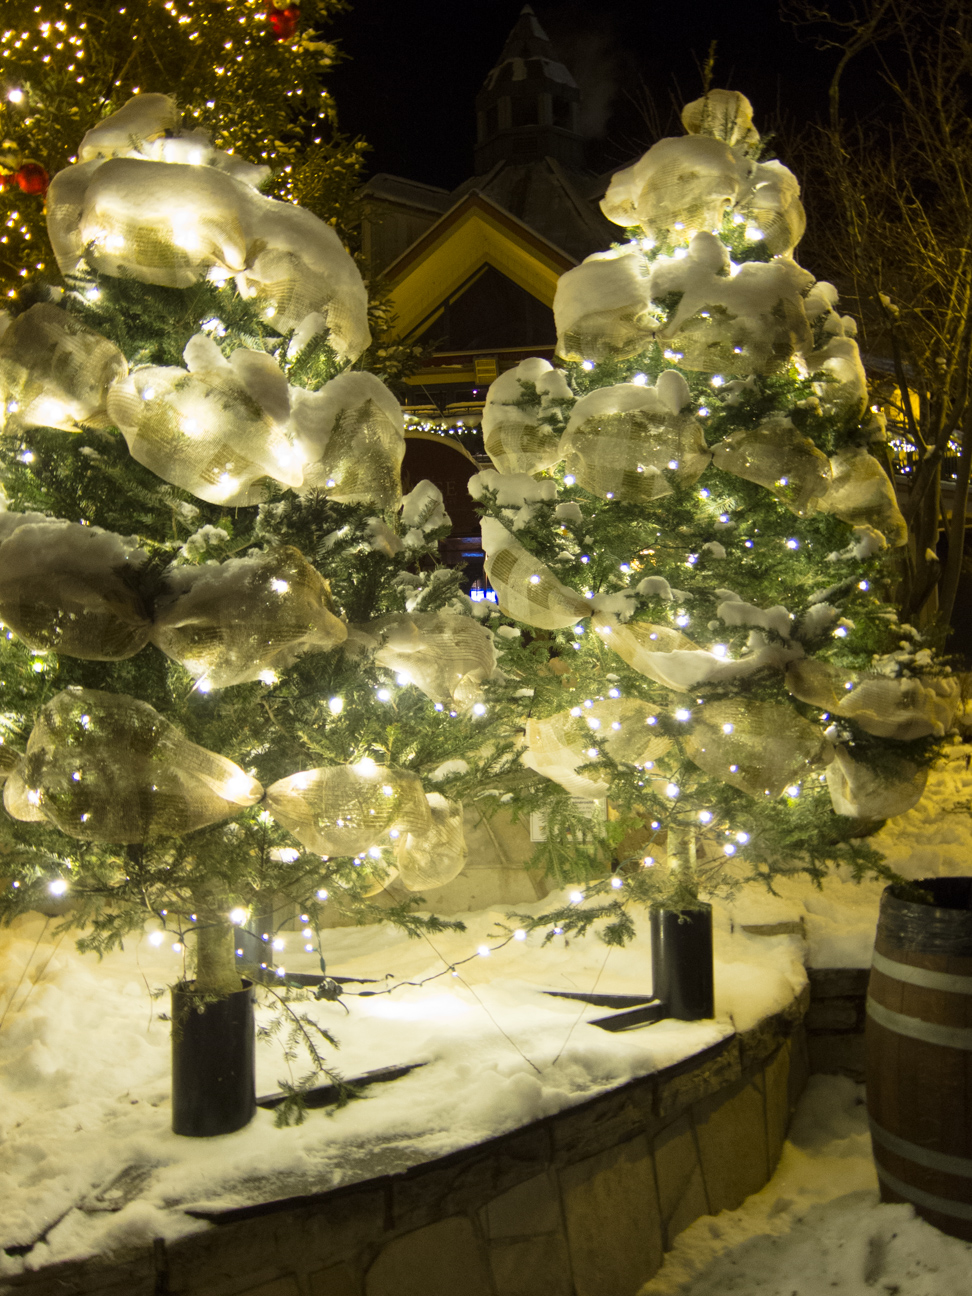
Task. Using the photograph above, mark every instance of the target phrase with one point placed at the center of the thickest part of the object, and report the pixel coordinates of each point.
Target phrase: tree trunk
(682, 858)
(921, 601)
(216, 972)
(956, 531)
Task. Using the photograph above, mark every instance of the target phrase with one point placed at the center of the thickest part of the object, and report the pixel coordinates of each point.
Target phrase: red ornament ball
(32, 178)
(283, 21)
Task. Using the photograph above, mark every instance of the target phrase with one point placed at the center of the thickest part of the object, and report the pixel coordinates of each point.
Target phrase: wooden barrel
(919, 1052)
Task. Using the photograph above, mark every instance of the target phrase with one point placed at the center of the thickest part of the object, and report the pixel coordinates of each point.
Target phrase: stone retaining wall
(583, 1203)
(835, 1021)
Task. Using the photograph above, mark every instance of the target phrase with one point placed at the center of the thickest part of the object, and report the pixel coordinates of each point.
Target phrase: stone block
(279, 1287)
(338, 1280)
(679, 1087)
(830, 1015)
(465, 1181)
(835, 983)
(799, 1072)
(681, 1188)
(731, 1129)
(613, 1222)
(767, 1035)
(593, 1126)
(777, 1090)
(530, 1208)
(536, 1266)
(794, 928)
(837, 1055)
(442, 1259)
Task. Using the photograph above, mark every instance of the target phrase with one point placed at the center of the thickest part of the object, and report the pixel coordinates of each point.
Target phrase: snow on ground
(818, 1228)
(933, 839)
(84, 1058)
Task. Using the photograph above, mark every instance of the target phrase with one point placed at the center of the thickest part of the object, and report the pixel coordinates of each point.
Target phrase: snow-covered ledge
(534, 1151)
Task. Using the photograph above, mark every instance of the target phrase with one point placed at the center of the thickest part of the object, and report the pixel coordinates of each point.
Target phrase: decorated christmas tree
(66, 66)
(233, 675)
(689, 530)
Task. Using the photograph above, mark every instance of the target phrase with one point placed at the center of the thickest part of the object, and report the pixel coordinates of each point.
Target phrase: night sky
(415, 68)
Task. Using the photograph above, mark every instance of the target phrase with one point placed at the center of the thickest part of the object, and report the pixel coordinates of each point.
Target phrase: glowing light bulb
(57, 887)
(335, 705)
(617, 883)
(705, 816)
(672, 790)
(569, 479)
(483, 951)
(156, 938)
(576, 897)
(519, 934)
(683, 715)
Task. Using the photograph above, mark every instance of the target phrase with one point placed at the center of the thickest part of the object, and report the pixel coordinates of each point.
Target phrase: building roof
(477, 231)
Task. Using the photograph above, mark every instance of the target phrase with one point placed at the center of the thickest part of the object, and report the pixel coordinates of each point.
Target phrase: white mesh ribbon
(659, 652)
(171, 211)
(527, 589)
(435, 856)
(74, 589)
(862, 791)
(445, 655)
(862, 495)
(105, 767)
(904, 709)
(725, 114)
(738, 323)
(777, 456)
(559, 746)
(820, 683)
(689, 181)
(148, 128)
(602, 308)
(203, 431)
(132, 128)
(347, 809)
(54, 372)
(758, 747)
(247, 618)
(631, 443)
(843, 389)
(9, 761)
(522, 420)
(20, 801)
(351, 437)
(772, 208)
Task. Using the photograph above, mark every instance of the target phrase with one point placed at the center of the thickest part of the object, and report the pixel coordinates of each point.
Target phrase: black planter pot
(681, 962)
(213, 1077)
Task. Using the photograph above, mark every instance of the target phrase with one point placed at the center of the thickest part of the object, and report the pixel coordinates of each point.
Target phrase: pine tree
(688, 529)
(250, 72)
(233, 675)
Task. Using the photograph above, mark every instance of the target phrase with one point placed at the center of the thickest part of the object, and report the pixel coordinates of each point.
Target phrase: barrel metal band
(922, 1156)
(944, 1205)
(959, 1037)
(922, 976)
